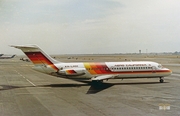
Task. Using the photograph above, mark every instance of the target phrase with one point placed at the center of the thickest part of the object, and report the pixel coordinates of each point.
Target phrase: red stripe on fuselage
(135, 72)
(70, 71)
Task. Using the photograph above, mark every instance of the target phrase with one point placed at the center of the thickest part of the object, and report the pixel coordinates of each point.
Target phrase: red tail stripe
(39, 58)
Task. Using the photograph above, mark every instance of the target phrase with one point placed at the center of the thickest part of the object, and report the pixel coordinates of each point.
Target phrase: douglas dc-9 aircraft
(96, 71)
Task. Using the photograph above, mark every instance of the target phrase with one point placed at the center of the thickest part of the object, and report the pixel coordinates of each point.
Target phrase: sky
(90, 26)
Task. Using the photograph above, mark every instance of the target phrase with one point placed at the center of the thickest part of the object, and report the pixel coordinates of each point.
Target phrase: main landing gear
(161, 80)
(96, 83)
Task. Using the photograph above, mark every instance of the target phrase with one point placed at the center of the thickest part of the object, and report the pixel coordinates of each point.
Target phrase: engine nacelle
(75, 71)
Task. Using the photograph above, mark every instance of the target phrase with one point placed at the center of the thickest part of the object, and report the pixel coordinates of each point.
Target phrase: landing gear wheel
(161, 80)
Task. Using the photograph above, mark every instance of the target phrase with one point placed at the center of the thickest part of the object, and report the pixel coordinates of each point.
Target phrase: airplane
(96, 71)
(3, 56)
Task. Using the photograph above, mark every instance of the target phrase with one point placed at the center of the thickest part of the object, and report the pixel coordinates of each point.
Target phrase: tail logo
(38, 58)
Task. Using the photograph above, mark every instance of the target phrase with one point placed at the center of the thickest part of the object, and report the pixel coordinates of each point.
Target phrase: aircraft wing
(103, 77)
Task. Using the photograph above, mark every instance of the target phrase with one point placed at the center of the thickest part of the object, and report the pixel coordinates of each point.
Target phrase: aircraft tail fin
(37, 56)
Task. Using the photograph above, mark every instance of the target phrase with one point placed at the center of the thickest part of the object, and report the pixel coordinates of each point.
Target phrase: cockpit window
(160, 66)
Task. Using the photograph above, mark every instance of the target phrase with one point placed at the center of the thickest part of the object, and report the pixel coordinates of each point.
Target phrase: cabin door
(153, 69)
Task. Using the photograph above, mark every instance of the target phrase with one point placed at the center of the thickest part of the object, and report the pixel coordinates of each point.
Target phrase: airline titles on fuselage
(131, 66)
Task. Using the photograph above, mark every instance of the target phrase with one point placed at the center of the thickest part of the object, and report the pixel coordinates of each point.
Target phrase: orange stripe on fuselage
(88, 66)
(70, 71)
(97, 68)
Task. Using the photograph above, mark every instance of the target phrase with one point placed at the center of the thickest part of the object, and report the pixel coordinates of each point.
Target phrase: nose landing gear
(161, 80)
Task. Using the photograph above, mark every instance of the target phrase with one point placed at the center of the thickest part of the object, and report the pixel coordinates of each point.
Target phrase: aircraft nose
(170, 71)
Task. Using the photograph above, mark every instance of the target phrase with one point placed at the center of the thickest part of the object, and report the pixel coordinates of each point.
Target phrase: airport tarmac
(25, 92)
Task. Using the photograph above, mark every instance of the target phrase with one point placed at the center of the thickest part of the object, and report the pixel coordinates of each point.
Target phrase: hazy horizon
(90, 27)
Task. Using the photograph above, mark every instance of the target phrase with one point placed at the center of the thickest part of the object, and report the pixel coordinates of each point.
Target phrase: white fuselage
(117, 69)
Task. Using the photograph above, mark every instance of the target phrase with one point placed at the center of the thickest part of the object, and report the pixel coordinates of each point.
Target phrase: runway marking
(31, 82)
(25, 78)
